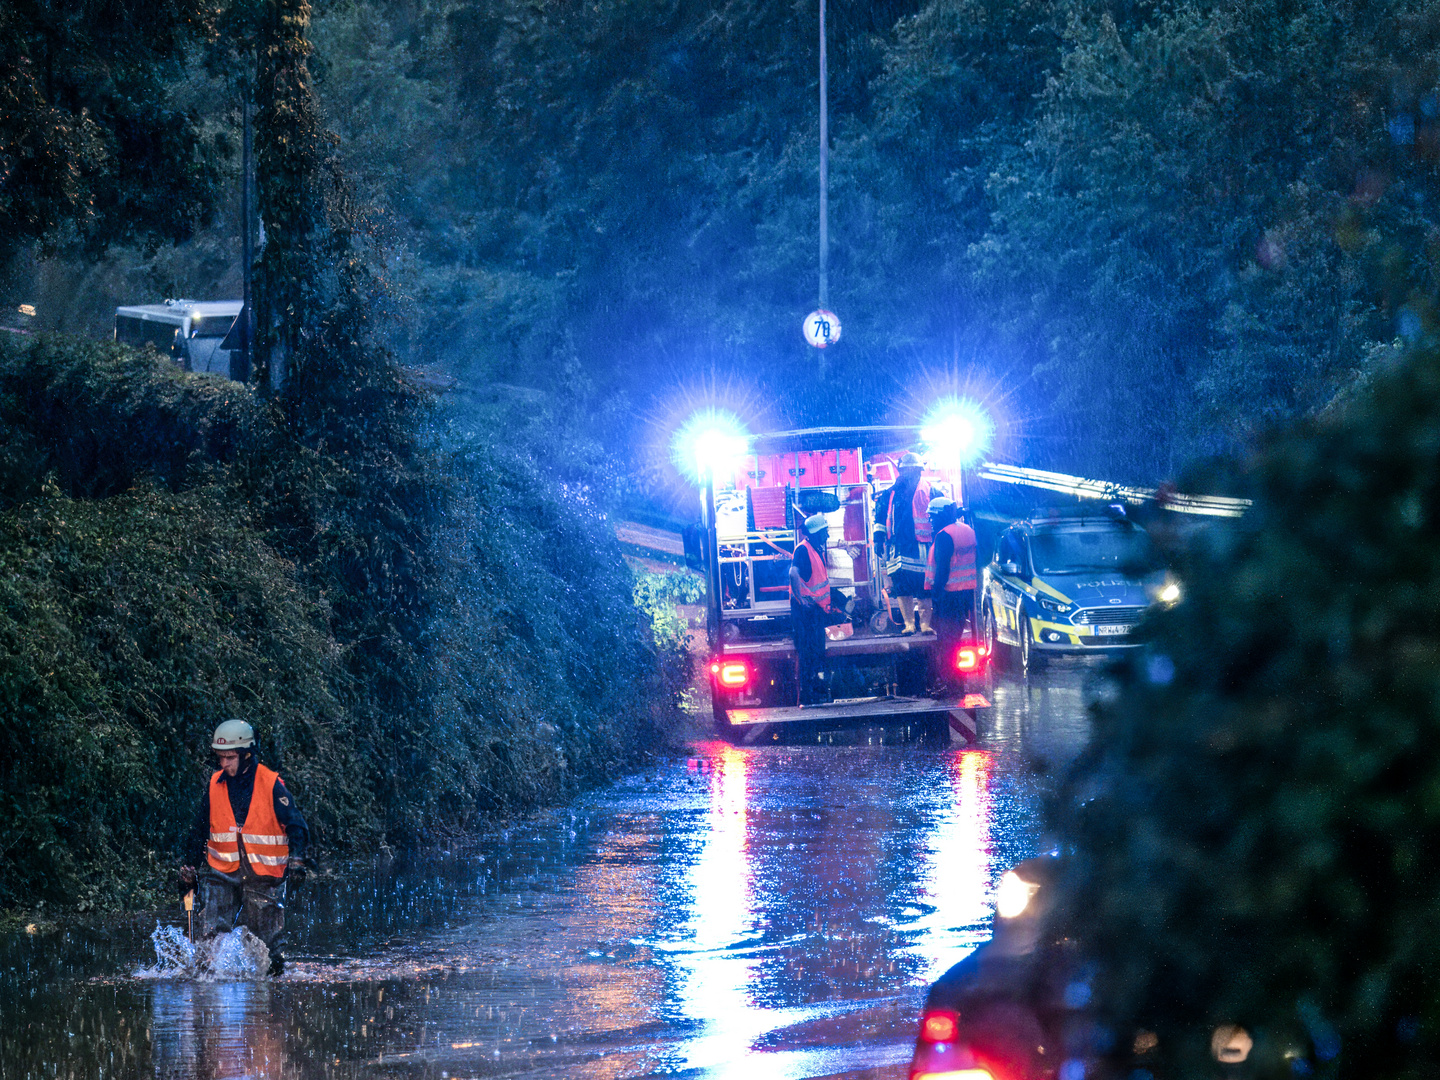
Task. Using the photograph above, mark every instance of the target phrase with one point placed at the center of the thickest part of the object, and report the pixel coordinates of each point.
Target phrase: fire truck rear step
(858, 709)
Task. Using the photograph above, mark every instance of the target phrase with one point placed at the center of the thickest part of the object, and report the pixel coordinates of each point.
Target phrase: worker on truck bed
(252, 838)
(810, 605)
(950, 580)
(907, 522)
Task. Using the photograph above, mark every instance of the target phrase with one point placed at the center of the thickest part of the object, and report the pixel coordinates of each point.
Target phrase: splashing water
(174, 954)
(236, 955)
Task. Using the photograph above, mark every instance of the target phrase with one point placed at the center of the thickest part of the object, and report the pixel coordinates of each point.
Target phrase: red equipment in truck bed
(768, 506)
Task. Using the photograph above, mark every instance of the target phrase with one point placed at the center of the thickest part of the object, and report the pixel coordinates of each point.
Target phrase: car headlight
(1054, 605)
(1169, 593)
(1013, 895)
(1231, 1044)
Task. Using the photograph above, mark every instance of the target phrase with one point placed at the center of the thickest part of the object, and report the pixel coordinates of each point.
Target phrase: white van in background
(191, 332)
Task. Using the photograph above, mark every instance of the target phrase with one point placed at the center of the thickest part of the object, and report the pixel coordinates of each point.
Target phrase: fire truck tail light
(939, 1026)
(732, 672)
(967, 659)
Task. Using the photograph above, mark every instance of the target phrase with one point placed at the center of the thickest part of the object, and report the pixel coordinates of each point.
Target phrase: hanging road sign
(822, 328)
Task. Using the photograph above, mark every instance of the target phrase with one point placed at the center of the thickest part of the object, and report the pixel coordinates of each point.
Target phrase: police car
(1076, 582)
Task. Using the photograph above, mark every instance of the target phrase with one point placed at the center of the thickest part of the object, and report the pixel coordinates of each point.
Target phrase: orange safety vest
(265, 841)
(818, 585)
(919, 513)
(920, 507)
(962, 562)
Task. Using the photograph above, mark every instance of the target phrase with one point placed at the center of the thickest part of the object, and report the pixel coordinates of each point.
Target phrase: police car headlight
(1169, 593)
(1054, 605)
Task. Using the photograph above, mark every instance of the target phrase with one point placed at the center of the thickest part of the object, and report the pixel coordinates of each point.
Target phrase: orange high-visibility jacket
(920, 507)
(919, 514)
(266, 844)
(962, 562)
(817, 586)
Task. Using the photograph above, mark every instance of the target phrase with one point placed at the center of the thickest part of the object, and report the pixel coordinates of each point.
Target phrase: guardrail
(1079, 486)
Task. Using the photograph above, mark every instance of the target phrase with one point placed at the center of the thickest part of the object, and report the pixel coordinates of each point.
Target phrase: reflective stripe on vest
(920, 508)
(908, 563)
(266, 845)
(817, 587)
(919, 513)
(961, 575)
(223, 851)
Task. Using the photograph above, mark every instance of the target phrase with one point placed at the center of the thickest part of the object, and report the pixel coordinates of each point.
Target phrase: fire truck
(874, 673)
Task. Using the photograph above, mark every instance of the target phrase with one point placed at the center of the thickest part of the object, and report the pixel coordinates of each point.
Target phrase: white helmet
(816, 523)
(233, 735)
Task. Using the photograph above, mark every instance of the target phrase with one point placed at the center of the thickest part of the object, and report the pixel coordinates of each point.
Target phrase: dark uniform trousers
(951, 612)
(808, 623)
(245, 899)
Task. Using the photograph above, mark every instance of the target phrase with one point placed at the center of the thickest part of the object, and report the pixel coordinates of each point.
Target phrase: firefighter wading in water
(248, 839)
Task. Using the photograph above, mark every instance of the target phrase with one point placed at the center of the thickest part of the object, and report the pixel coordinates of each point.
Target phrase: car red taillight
(938, 1054)
(939, 1026)
(730, 673)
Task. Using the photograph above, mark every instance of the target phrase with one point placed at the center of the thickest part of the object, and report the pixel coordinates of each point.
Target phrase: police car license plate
(1122, 629)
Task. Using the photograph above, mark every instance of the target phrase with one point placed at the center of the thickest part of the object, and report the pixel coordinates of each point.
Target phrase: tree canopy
(94, 148)
(1170, 224)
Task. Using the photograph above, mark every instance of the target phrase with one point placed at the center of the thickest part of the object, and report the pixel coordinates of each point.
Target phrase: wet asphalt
(764, 913)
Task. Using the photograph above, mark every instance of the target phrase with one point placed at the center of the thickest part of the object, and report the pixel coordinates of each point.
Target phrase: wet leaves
(384, 619)
(1257, 838)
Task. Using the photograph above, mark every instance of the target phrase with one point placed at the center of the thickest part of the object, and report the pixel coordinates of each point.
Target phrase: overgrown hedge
(419, 649)
(1256, 828)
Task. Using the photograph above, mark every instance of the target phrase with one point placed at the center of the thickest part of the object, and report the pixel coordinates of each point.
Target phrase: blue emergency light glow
(956, 431)
(710, 445)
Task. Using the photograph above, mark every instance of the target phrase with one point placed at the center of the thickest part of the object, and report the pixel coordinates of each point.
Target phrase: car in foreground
(1078, 582)
(990, 1016)
(1022, 1007)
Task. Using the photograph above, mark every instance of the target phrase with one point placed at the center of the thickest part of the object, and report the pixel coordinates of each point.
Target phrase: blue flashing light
(710, 445)
(956, 432)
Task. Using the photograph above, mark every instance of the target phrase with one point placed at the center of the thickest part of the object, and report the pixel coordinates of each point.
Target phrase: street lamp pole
(824, 169)
(241, 371)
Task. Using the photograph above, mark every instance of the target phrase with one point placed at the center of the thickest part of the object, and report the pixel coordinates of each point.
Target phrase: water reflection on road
(768, 912)
(215, 1030)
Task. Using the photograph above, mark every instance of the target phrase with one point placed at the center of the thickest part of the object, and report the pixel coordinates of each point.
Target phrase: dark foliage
(412, 669)
(92, 146)
(1158, 222)
(95, 420)
(1169, 224)
(1255, 824)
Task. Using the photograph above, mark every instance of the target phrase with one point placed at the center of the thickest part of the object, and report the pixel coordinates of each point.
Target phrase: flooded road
(770, 913)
